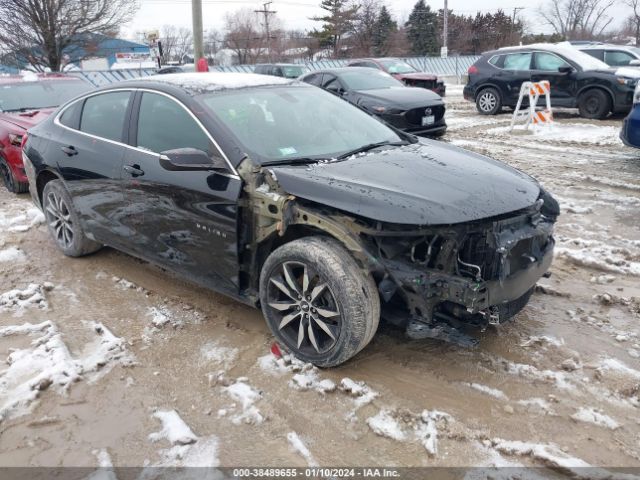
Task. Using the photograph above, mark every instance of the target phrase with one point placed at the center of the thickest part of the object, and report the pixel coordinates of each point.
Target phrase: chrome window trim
(233, 172)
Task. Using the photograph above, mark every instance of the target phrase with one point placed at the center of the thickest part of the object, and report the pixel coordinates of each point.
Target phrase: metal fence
(450, 67)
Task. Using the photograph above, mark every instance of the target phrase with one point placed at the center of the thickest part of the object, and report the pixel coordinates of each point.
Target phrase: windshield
(396, 66)
(369, 80)
(27, 95)
(280, 124)
(294, 72)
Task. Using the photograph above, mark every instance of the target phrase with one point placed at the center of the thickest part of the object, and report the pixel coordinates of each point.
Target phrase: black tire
(594, 104)
(488, 101)
(63, 222)
(9, 180)
(348, 305)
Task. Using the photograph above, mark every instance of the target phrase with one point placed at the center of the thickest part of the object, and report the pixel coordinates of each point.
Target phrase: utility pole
(266, 12)
(198, 40)
(513, 21)
(445, 34)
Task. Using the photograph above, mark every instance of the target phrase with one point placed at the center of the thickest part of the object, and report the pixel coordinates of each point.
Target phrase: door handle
(69, 151)
(133, 170)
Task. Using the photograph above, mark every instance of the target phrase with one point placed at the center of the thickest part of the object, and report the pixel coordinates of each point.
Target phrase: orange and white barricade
(533, 90)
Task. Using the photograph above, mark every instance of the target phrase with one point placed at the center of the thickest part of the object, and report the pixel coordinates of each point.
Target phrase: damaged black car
(289, 199)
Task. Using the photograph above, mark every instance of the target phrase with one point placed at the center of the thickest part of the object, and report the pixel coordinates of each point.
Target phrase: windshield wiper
(27, 109)
(371, 146)
(294, 161)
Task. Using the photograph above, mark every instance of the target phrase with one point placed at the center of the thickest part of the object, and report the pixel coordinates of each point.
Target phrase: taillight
(472, 69)
(15, 140)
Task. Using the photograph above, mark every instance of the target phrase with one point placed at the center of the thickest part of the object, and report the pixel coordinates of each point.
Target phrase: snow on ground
(493, 392)
(246, 396)
(12, 254)
(48, 363)
(591, 415)
(21, 218)
(174, 429)
(385, 425)
(18, 301)
(298, 446)
(360, 391)
(565, 133)
(213, 352)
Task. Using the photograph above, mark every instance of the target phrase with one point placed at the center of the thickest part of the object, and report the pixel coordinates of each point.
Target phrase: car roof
(7, 79)
(600, 46)
(280, 65)
(200, 82)
(338, 70)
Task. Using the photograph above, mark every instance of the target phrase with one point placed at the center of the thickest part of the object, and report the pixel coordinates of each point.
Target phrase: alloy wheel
(307, 314)
(487, 101)
(59, 219)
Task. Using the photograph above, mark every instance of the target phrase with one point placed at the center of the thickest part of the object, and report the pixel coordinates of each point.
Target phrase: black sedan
(410, 109)
(285, 197)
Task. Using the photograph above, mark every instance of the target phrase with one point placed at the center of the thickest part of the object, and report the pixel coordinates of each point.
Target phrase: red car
(403, 72)
(25, 101)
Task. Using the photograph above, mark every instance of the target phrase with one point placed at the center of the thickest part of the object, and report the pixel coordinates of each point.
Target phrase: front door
(184, 220)
(546, 67)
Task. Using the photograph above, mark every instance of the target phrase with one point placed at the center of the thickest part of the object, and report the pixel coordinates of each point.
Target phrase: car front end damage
(435, 281)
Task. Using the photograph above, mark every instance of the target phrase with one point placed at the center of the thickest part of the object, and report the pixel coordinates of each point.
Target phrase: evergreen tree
(422, 30)
(384, 28)
(336, 22)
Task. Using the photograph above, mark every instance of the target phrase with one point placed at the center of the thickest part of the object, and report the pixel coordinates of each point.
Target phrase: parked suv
(614, 55)
(287, 198)
(25, 101)
(577, 80)
(403, 72)
(286, 70)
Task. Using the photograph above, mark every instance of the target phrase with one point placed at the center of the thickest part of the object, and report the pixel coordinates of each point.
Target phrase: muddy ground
(111, 341)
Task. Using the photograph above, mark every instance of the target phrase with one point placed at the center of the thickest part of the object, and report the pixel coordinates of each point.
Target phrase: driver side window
(549, 62)
(163, 125)
(332, 84)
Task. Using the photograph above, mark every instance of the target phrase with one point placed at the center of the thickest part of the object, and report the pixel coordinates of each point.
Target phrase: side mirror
(566, 70)
(634, 63)
(189, 159)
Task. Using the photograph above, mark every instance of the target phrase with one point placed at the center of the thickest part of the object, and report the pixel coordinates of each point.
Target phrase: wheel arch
(484, 86)
(44, 177)
(603, 88)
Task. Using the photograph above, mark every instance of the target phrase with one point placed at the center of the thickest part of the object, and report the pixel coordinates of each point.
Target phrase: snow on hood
(217, 80)
(584, 60)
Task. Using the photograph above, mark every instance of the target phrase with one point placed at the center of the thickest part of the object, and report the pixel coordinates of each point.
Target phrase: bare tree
(176, 42)
(634, 19)
(578, 19)
(42, 31)
(364, 27)
(244, 35)
(212, 42)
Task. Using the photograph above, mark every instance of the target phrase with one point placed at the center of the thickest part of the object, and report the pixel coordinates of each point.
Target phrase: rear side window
(599, 54)
(517, 61)
(164, 125)
(71, 116)
(104, 115)
(315, 79)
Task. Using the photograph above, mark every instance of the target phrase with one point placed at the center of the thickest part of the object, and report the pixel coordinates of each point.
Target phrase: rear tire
(594, 104)
(9, 180)
(488, 101)
(63, 222)
(327, 318)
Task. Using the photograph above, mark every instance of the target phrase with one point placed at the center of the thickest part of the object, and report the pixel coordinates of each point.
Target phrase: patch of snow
(159, 316)
(361, 393)
(567, 133)
(212, 352)
(298, 445)
(615, 365)
(427, 431)
(542, 340)
(247, 396)
(12, 254)
(24, 329)
(104, 352)
(306, 376)
(595, 417)
(493, 392)
(22, 222)
(211, 81)
(174, 429)
(105, 466)
(19, 300)
(539, 403)
(385, 425)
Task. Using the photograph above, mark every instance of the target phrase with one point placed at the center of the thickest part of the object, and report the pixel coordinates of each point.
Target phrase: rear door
(515, 70)
(89, 152)
(563, 84)
(184, 220)
(618, 58)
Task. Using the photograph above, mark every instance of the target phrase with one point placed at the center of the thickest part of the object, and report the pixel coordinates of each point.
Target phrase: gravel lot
(112, 360)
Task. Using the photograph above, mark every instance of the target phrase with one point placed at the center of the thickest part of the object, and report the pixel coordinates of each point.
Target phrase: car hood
(429, 183)
(28, 119)
(416, 76)
(402, 97)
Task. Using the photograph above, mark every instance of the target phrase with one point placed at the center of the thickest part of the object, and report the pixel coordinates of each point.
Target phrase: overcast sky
(295, 13)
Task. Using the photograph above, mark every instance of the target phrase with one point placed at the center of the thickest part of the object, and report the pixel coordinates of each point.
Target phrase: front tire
(318, 302)
(9, 180)
(63, 222)
(594, 104)
(488, 101)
